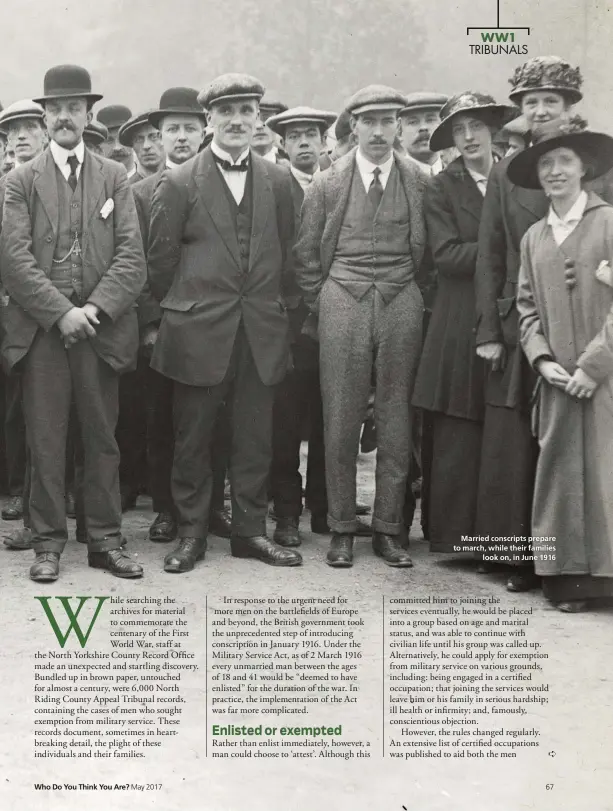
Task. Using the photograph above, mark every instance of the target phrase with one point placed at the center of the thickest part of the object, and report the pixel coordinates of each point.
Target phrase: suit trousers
(131, 432)
(357, 337)
(52, 377)
(14, 435)
(161, 445)
(298, 403)
(195, 412)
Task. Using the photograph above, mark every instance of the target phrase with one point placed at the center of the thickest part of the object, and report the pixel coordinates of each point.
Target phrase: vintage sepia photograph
(306, 405)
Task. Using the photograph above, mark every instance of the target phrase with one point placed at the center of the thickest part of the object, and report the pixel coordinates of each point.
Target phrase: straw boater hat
(594, 146)
(478, 105)
(301, 115)
(177, 101)
(127, 131)
(546, 73)
(65, 82)
(26, 108)
(230, 87)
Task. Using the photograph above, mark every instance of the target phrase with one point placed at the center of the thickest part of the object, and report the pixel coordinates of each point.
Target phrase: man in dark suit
(73, 265)
(114, 116)
(221, 233)
(265, 142)
(181, 122)
(359, 252)
(139, 135)
(298, 399)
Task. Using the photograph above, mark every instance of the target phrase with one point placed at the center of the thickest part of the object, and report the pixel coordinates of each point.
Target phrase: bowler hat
(114, 115)
(546, 73)
(26, 108)
(423, 100)
(561, 132)
(65, 82)
(375, 97)
(301, 115)
(177, 101)
(478, 105)
(231, 86)
(95, 132)
(128, 130)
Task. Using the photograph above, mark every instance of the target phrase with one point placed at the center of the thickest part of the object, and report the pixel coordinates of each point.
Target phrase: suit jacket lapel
(417, 234)
(337, 189)
(531, 200)
(45, 183)
(470, 198)
(262, 199)
(213, 195)
(92, 183)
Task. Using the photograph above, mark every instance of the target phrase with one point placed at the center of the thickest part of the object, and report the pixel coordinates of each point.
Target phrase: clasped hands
(579, 384)
(78, 324)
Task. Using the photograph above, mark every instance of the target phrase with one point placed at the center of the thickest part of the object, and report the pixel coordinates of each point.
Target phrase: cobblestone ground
(575, 726)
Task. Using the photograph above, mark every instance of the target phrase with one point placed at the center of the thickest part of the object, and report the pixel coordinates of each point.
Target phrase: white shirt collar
(221, 153)
(60, 155)
(480, 180)
(304, 178)
(367, 167)
(573, 215)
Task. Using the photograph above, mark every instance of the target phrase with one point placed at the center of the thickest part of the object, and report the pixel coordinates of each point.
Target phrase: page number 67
(549, 786)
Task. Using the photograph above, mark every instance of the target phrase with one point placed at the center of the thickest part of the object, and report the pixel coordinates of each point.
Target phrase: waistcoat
(373, 247)
(67, 276)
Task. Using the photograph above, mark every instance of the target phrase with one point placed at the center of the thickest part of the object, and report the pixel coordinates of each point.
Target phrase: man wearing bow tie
(220, 240)
(73, 266)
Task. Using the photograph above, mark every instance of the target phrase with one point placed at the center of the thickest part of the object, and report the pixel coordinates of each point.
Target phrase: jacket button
(48, 239)
(569, 263)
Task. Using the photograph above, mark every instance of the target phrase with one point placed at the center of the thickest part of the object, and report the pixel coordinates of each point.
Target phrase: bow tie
(232, 167)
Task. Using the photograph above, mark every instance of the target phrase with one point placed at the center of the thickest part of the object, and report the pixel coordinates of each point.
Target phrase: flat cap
(95, 132)
(301, 115)
(270, 103)
(231, 86)
(128, 130)
(25, 108)
(114, 115)
(342, 128)
(375, 97)
(423, 100)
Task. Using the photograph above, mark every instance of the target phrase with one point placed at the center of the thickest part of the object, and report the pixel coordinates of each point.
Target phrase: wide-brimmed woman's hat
(594, 147)
(477, 105)
(66, 82)
(546, 73)
(177, 101)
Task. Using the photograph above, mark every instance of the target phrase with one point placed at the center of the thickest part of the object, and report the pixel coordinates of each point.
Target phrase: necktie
(73, 162)
(232, 167)
(375, 192)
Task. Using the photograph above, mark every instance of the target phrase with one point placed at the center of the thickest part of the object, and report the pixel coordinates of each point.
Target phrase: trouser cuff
(386, 527)
(344, 527)
(106, 543)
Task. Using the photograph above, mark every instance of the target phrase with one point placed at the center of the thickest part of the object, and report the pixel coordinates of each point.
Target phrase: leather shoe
(114, 561)
(71, 508)
(46, 567)
(572, 606)
(390, 549)
(184, 557)
(262, 548)
(13, 511)
(220, 523)
(286, 532)
(340, 553)
(319, 524)
(22, 539)
(523, 581)
(362, 529)
(163, 529)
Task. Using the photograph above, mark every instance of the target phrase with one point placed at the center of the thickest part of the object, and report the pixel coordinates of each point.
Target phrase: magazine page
(307, 362)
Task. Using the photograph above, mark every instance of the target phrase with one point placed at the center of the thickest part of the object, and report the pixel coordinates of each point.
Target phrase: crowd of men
(192, 291)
